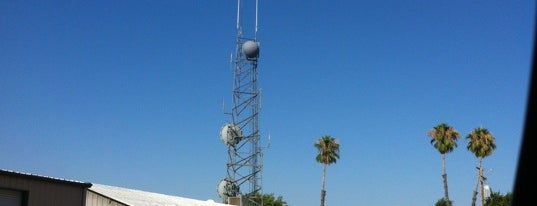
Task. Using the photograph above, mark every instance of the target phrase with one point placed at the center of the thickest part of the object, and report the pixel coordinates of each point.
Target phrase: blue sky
(129, 93)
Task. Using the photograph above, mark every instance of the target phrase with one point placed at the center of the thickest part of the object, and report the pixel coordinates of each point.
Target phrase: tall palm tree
(482, 144)
(328, 148)
(444, 139)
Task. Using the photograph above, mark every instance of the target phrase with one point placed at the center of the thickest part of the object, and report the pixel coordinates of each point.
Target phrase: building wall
(95, 199)
(41, 191)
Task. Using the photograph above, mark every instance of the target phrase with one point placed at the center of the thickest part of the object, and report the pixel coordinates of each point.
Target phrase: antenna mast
(242, 134)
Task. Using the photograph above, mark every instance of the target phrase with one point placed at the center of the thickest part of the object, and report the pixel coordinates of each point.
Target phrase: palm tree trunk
(444, 177)
(323, 192)
(481, 182)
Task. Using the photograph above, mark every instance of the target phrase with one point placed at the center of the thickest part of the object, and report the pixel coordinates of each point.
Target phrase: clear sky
(129, 93)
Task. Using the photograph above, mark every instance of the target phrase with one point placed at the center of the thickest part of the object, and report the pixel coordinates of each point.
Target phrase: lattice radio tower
(242, 135)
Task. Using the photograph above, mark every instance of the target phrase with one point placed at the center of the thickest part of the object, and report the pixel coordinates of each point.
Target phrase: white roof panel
(134, 197)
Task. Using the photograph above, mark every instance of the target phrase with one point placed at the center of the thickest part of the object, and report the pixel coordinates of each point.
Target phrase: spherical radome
(250, 49)
(231, 134)
(227, 188)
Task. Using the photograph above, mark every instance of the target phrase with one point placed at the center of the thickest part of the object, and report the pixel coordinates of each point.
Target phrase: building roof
(134, 197)
(44, 178)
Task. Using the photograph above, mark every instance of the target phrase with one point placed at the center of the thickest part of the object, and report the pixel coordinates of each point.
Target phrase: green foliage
(268, 199)
(443, 138)
(328, 148)
(497, 199)
(481, 142)
(443, 202)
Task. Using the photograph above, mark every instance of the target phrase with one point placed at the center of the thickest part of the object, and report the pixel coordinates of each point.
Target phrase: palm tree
(328, 148)
(482, 144)
(444, 139)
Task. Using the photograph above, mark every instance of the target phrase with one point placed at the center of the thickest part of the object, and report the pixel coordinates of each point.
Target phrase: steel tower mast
(242, 133)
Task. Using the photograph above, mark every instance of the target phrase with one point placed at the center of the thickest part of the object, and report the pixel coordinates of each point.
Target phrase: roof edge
(44, 178)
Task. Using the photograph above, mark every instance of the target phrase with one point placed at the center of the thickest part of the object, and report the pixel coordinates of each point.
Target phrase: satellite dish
(227, 188)
(250, 49)
(231, 134)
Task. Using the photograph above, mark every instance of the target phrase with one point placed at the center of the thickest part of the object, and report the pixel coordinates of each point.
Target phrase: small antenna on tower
(238, 13)
(268, 142)
(256, 12)
(231, 61)
(223, 108)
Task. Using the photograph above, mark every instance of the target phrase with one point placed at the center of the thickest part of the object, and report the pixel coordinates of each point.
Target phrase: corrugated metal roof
(134, 197)
(44, 178)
